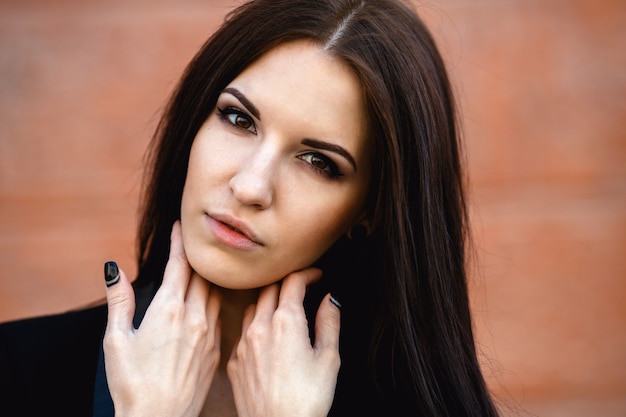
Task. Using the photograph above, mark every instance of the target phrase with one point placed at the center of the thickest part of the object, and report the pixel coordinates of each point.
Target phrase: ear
(364, 221)
(361, 229)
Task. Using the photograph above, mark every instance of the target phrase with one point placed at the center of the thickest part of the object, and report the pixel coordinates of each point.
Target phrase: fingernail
(111, 273)
(335, 302)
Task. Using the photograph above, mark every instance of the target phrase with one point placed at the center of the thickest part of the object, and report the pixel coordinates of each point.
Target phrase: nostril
(251, 190)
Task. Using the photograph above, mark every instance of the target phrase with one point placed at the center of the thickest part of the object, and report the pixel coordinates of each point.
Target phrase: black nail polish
(335, 301)
(111, 273)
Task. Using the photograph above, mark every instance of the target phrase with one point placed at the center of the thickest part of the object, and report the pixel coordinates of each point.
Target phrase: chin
(233, 286)
(225, 279)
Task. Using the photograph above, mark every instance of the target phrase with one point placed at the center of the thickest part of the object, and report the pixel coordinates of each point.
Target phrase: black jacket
(49, 365)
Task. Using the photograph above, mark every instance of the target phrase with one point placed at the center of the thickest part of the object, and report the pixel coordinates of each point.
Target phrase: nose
(252, 184)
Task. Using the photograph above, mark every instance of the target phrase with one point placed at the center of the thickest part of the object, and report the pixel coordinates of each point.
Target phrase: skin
(226, 334)
(167, 365)
(257, 170)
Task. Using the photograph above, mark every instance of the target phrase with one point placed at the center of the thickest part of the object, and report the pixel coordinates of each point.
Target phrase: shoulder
(49, 362)
(44, 336)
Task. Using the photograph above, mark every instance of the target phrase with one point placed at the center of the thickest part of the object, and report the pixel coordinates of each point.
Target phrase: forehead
(299, 81)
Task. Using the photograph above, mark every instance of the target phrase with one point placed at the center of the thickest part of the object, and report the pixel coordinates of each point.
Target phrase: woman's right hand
(167, 365)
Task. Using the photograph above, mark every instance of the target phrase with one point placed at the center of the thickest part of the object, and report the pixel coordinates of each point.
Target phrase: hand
(274, 370)
(167, 365)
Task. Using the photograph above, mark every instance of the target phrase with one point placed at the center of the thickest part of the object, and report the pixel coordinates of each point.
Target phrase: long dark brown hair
(407, 344)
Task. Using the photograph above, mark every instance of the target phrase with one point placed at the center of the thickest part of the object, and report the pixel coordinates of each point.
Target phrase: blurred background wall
(541, 86)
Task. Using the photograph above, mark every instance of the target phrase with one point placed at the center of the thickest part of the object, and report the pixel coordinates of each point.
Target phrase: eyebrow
(314, 143)
(318, 144)
(244, 100)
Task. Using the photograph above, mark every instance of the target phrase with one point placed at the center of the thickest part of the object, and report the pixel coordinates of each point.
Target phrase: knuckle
(198, 326)
(112, 341)
(335, 360)
(254, 333)
(231, 368)
(179, 262)
(118, 298)
(331, 358)
(288, 316)
(173, 310)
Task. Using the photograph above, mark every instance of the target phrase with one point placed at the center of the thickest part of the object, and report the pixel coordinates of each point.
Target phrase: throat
(220, 401)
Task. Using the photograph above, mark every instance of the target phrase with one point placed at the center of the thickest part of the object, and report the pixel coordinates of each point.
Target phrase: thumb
(120, 298)
(328, 324)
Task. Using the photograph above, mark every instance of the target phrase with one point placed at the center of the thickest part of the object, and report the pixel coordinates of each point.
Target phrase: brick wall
(541, 87)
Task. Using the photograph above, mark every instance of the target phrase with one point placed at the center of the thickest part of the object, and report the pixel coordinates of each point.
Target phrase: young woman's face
(279, 170)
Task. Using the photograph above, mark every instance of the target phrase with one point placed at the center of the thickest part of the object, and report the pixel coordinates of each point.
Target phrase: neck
(234, 304)
(220, 401)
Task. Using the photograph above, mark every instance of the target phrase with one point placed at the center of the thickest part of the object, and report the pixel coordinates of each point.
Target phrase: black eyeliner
(223, 114)
(334, 173)
(318, 144)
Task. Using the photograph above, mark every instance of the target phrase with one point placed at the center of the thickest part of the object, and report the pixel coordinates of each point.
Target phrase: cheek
(211, 161)
(316, 228)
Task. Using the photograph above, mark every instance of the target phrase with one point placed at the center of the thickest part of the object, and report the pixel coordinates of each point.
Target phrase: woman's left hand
(274, 369)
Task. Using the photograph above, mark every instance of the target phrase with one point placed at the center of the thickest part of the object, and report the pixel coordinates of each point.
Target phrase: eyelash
(226, 113)
(331, 171)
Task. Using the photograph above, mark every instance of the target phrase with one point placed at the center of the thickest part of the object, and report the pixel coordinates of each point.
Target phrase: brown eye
(321, 164)
(318, 162)
(242, 121)
(237, 118)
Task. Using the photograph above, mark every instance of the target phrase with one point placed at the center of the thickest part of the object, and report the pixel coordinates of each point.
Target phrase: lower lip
(228, 236)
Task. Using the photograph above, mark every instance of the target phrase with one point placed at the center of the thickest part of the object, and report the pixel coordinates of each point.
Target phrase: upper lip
(235, 223)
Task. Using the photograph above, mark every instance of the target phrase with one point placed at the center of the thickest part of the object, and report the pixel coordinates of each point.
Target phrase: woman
(310, 148)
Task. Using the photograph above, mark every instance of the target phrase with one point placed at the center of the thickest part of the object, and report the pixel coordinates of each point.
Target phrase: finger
(120, 298)
(233, 357)
(294, 285)
(267, 302)
(248, 316)
(216, 346)
(214, 304)
(327, 324)
(177, 271)
(197, 293)
(232, 371)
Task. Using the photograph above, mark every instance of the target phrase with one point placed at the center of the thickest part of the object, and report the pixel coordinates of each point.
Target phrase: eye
(237, 118)
(321, 164)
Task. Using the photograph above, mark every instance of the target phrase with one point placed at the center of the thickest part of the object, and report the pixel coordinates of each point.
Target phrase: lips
(232, 232)
(232, 228)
